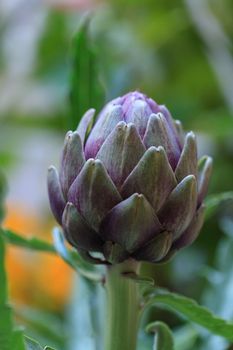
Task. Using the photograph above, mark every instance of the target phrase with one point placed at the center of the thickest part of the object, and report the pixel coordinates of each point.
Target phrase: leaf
(42, 324)
(218, 124)
(87, 310)
(145, 341)
(185, 337)
(31, 243)
(86, 89)
(218, 294)
(52, 43)
(190, 309)
(212, 202)
(31, 344)
(144, 280)
(3, 281)
(86, 270)
(6, 323)
(18, 340)
(71, 257)
(163, 336)
(3, 189)
(10, 339)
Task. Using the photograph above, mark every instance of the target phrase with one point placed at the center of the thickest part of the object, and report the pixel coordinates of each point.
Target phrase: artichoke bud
(130, 184)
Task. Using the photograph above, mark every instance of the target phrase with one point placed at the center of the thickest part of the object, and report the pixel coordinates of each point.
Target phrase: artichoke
(130, 184)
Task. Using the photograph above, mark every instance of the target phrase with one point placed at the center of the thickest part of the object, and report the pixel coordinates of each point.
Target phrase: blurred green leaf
(185, 337)
(71, 257)
(6, 323)
(218, 294)
(163, 336)
(18, 341)
(10, 339)
(143, 280)
(42, 325)
(3, 189)
(31, 243)
(87, 310)
(218, 124)
(145, 341)
(3, 281)
(85, 270)
(7, 158)
(86, 90)
(212, 202)
(32, 344)
(190, 309)
(53, 42)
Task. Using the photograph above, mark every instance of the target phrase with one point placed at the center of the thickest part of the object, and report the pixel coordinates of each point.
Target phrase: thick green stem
(123, 307)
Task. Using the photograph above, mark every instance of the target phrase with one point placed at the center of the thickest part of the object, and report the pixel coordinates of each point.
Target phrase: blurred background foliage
(178, 52)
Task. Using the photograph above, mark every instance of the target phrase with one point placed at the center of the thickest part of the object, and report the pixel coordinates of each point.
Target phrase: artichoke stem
(123, 307)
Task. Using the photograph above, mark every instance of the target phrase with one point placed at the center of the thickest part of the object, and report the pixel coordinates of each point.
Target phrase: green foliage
(42, 325)
(6, 326)
(71, 257)
(18, 341)
(143, 280)
(30, 243)
(52, 45)
(213, 202)
(3, 289)
(2, 196)
(87, 315)
(10, 338)
(86, 89)
(218, 124)
(85, 269)
(193, 312)
(218, 292)
(154, 47)
(31, 344)
(185, 337)
(163, 336)
(6, 331)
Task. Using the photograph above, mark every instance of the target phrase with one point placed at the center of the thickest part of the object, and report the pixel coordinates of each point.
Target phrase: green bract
(130, 185)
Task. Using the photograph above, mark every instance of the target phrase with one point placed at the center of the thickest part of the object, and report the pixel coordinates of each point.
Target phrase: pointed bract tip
(208, 160)
(90, 161)
(159, 115)
(190, 178)
(191, 135)
(51, 168)
(121, 125)
(68, 135)
(160, 149)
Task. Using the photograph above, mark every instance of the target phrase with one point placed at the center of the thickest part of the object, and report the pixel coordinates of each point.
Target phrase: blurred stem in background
(217, 44)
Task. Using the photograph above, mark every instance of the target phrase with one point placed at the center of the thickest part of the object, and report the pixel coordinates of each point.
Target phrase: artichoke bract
(130, 184)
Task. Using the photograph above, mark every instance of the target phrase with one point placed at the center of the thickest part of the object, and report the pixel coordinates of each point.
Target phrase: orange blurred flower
(35, 278)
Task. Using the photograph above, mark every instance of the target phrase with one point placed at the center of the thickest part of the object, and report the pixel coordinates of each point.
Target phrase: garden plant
(129, 195)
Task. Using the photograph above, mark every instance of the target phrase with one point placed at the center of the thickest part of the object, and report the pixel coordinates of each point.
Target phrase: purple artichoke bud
(130, 184)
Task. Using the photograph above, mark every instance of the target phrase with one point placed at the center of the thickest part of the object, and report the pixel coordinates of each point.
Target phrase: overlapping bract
(131, 185)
